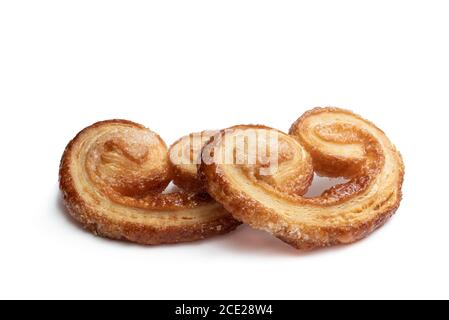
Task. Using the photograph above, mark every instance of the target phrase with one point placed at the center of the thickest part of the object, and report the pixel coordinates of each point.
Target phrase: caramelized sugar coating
(185, 156)
(111, 177)
(294, 173)
(340, 144)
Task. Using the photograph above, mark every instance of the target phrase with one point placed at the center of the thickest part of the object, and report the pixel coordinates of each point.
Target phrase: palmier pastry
(294, 175)
(112, 175)
(185, 156)
(340, 144)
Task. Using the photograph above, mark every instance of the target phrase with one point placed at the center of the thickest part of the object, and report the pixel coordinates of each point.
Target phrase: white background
(183, 66)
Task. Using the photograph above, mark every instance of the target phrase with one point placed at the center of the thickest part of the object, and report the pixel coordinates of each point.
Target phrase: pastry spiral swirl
(340, 144)
(112, 175)
(185, 156)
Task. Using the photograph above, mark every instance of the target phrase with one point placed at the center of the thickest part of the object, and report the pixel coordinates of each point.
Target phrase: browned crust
(247, 210)
(329, 166)
(250, 211)
(185, 180)
(144, 234)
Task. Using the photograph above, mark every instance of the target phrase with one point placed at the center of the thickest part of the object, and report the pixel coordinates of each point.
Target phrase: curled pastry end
(111, 177)
(185, 157)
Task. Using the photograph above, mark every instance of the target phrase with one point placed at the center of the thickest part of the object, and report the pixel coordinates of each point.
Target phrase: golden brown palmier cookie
(111, 176)
(341, 144)
(185, 156)
(293, 175)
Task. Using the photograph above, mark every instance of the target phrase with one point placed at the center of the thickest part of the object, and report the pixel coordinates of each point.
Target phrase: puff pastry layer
(185, 156)
(340, 144)
(111, 176)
